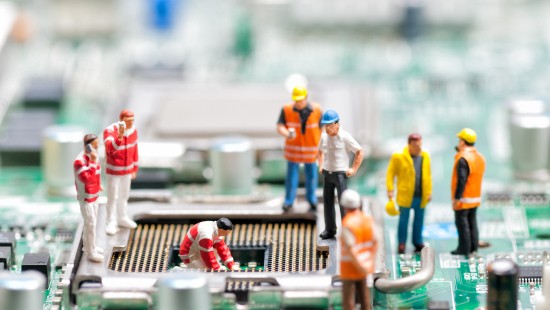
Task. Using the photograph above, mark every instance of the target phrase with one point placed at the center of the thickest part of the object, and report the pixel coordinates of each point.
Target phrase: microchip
(529, 274)
(39, 262)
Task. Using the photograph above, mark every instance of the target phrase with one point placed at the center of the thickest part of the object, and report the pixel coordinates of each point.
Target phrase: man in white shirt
(334, 149)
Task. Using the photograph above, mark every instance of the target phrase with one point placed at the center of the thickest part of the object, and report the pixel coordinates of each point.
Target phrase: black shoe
(401, 249)
(312, 207)
(286, 207)
(328, 234)
(458, 252)
(418, 247)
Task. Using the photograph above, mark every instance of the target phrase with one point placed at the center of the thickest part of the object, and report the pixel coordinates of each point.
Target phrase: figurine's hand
(101, 188)
(93, 157)
(134, 175)
(121, 129)
(320, 170)
(390, 195)
(350, 172)
(456, 204)
(429, 198)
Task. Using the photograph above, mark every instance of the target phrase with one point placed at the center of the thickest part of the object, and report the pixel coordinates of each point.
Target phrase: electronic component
(152, 179)
(39, 262)
(438, 305)
(190, 290)
(62, 143)
(21, 138)
(21, 291)
(7, 239)
(5, 257)
(528, 274)
(502, 285)
(44, 92)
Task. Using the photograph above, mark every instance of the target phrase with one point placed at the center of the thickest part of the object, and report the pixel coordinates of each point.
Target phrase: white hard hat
(350, 199)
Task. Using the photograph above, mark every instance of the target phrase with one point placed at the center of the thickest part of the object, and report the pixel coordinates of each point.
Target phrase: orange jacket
(303, 148)
(472, 192)
(358, 234)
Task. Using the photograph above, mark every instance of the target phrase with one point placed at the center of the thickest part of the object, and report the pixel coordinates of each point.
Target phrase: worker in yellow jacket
(411, 167)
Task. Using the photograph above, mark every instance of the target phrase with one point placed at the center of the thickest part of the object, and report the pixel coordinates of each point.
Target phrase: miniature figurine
(359, 246)
(87, 175)
(299, 123)
(197, 248)
(334, 149)
(412, 168)
(121, 150)
(466, 181)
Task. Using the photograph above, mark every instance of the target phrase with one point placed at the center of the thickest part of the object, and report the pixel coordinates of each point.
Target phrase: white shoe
(126, 222)
(95, 257)
(111, 228)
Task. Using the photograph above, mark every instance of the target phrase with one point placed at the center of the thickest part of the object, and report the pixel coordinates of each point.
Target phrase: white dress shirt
(336, 150)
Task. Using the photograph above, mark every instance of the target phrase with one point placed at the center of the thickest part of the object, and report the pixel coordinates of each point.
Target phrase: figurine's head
(331, 121)
(351, 200)
(299, 96)
(415, 144)
(224, 226)
(90, 140)
(466, 137)
(127, 117)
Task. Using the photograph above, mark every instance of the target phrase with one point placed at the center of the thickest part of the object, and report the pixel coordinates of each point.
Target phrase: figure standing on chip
(121, 150)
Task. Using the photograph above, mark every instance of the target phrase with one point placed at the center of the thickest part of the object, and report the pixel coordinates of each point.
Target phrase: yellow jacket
(401, 165)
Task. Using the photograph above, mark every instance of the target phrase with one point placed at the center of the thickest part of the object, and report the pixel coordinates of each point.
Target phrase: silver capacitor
(232, 164)
(22, 290)
(61, 145)
(184, 291)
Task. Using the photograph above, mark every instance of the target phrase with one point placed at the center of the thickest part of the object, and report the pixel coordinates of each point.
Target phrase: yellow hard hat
(299, 93)
(391, 209)
(468, 135)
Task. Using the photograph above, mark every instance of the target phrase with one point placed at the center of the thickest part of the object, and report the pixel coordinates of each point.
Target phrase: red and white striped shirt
(87, 176)
(122, 154)
(201, 240)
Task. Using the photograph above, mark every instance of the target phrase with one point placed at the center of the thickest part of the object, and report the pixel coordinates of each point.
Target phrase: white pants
(118, 192)
(89, 215)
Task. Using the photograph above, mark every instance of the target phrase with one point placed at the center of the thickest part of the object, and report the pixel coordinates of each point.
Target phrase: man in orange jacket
(299, 123)
(359, 246)
(468, 172)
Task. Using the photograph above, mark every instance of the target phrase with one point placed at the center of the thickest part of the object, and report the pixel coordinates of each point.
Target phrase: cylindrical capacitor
(502, 285)
(232, 163)
(22, 290)
(62, 143)
(184, 291)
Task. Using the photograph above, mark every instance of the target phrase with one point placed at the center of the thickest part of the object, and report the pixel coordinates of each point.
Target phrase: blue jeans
(418, 222)
(291, 182)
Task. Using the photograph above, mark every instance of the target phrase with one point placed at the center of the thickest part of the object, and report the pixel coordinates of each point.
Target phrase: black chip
(5, 256)
(39, 262)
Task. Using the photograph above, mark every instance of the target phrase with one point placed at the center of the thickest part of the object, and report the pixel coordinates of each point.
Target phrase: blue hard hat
(329, 117)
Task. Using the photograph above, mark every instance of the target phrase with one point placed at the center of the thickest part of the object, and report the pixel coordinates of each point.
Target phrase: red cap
(126, 113)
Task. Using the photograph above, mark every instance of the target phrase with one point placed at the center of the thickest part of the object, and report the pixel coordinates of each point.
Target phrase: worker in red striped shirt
(203, 245)
(87, 176)
(121, 153)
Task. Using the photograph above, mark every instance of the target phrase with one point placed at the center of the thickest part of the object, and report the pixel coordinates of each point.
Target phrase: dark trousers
(355, 291)
(468, 235)
(335, 180)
